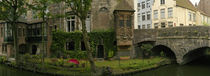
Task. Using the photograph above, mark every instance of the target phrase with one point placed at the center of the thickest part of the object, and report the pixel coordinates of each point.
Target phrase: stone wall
(181, 40)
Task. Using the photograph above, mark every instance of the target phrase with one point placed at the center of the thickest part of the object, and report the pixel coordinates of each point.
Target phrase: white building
(143, 15)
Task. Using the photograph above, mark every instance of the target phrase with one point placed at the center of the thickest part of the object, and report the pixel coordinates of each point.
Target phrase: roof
(185, 4)
(202, 7)
(124, 6)
(203, 13)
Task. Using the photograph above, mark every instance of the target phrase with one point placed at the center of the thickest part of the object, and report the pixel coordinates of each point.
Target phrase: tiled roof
(185, 4)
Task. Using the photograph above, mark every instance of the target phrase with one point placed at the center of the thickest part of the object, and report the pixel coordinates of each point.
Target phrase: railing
(35, 38)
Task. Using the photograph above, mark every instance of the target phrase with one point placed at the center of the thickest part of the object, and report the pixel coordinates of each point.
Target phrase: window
(156, 25)
(148, 26)
(143, 27)
(170, 12)
(128, 21)
(24, 32)
(88, 23)
(70, 46)
(139, 6)
(139, 17)
(190, 16)
(148, 3)
(143, 16)
(2, 31)
(162, 2)
(163, 25)
(83, 46)
(71, 23)
(19, 32)
(148, 15)
(170, 24)
(139, 26)
(181, 24)
(162, 13)
(121, 23)
(194, 17)
(155, 14)
(190, 24)
(143, 5)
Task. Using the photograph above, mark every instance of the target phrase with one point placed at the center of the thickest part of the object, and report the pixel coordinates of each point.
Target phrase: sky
(195, 1)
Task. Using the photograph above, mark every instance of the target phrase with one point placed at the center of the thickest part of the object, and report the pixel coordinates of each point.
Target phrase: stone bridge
(182, 41)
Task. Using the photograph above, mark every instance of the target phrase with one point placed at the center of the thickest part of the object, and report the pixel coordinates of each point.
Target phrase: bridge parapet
(181, 40)
(187, 32)
(175, 32)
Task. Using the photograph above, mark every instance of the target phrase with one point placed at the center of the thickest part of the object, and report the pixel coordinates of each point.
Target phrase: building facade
(202, 7)
(144, 14)
(173, 13)
(101, 17)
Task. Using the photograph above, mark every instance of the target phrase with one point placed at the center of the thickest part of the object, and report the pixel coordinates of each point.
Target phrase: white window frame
(155, 14)
(162, 15)
(71, 19)
(170, 12)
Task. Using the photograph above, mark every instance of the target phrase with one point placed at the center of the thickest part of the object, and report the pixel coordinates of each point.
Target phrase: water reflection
(8, 71)
(199, 67)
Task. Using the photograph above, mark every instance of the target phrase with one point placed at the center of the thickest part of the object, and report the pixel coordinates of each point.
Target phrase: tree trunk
(87, 46)
(15, 40)
(43, 41)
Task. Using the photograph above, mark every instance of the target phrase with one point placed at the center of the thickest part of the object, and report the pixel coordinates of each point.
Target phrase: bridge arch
(167, 52)
(195, 54)
(137, 45)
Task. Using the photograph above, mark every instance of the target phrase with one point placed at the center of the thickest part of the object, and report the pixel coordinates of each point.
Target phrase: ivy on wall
(105, 38)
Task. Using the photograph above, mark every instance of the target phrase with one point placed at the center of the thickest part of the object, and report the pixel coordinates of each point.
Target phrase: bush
(60, 62)
(146, 48)
(3, 59)
(76, 54)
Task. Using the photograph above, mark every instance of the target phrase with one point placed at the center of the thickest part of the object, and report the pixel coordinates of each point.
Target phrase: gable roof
(124, 6)
(185, 4)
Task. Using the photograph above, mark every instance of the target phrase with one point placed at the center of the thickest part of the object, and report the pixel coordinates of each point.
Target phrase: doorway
(100, 53)
(34, 49)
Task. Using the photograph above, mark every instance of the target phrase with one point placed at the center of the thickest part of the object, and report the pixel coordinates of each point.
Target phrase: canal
(199, 67)
(8, 71)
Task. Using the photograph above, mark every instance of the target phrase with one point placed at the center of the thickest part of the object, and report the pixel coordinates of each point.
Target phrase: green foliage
(162, 54)
(3, 59)
(146, 48)
(60, 38)
(60, 62)
(11, 10)
(76, 54)
(205, 24)
(31, 59)
(81, 8)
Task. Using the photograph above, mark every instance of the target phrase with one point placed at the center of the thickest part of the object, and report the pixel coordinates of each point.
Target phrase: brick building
(101, 17)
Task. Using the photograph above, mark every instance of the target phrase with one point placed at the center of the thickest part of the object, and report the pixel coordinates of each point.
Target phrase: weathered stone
(181, 40)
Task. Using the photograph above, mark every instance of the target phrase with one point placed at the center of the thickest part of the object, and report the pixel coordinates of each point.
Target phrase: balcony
(35, 38)
(8, 39)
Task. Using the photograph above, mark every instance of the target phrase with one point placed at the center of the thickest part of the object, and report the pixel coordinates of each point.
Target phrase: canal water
(199, 67)
(8, 71)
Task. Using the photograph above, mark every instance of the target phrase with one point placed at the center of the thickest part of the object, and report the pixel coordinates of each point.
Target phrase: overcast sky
(195, 1)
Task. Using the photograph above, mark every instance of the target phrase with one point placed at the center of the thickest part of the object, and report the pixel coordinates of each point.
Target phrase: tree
(11, 11)
(42, 12)
(81, 8)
